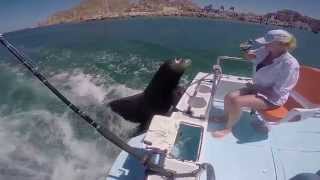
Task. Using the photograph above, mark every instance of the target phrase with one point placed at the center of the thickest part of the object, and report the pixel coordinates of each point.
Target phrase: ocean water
(93, 63)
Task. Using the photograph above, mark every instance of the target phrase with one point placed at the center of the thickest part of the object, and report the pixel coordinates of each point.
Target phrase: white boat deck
(287, 150)
(245, 154)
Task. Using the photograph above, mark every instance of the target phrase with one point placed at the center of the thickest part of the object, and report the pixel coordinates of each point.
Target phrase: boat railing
(217, 72)
(229, 58)
(220, 60)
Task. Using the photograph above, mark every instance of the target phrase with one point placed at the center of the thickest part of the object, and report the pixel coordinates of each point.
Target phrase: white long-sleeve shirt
(275, 81)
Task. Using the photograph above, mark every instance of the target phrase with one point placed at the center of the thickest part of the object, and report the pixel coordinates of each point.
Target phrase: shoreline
(226, 16)
(155, 15)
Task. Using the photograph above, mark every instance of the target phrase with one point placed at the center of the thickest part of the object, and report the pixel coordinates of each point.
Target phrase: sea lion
(157, 98)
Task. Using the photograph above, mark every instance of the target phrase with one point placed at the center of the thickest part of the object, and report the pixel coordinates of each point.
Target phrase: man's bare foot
(217, 119)
(221, 133)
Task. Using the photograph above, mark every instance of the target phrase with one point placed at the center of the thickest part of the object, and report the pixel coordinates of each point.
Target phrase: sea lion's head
(167, 78)
(179, 64)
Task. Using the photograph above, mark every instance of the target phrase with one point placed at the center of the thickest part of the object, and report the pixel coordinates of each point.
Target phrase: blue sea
(93, 63)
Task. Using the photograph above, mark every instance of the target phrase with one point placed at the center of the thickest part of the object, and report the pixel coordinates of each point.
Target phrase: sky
(20, 14)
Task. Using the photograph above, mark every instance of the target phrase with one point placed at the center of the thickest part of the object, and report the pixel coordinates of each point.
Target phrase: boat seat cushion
(275, 115)
(307, 86)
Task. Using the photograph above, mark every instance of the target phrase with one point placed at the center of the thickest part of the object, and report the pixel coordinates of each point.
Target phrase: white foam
(77, 159)
(89, 89)
(42, 144)
(82, 86)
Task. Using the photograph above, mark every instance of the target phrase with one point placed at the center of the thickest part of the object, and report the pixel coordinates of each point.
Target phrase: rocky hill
(294, 19)
(99, 9)
(89, 9)
(158, 5)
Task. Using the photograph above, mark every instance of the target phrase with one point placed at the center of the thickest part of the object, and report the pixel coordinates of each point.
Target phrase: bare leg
(231, 114)
(228, 103)
(233, 110)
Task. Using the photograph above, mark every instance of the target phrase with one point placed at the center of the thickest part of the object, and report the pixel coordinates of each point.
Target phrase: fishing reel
(247, 45)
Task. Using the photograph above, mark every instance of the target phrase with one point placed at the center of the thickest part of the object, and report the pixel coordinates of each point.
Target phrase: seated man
(277, 72)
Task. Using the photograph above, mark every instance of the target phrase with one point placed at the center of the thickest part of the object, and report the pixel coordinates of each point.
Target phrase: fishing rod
(147, 158)
(106, 133)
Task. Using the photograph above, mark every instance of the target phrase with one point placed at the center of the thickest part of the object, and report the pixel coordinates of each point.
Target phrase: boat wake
(41, 139)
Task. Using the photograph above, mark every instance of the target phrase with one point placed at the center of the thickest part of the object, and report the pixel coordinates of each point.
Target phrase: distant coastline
(90, 10)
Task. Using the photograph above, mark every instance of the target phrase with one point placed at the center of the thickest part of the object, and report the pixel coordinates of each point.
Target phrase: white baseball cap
(278, 35)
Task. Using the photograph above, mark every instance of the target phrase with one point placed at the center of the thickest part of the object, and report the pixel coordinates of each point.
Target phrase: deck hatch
(188, 142)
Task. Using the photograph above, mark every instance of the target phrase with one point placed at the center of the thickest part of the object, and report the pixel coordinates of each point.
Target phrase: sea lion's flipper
(177, 94)
(129, 107)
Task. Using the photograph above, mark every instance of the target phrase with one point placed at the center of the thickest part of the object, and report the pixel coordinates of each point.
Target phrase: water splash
(42, 143)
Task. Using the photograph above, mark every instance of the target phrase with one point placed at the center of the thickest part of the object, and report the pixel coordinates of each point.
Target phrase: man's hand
(251, 86)
(246, 46)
